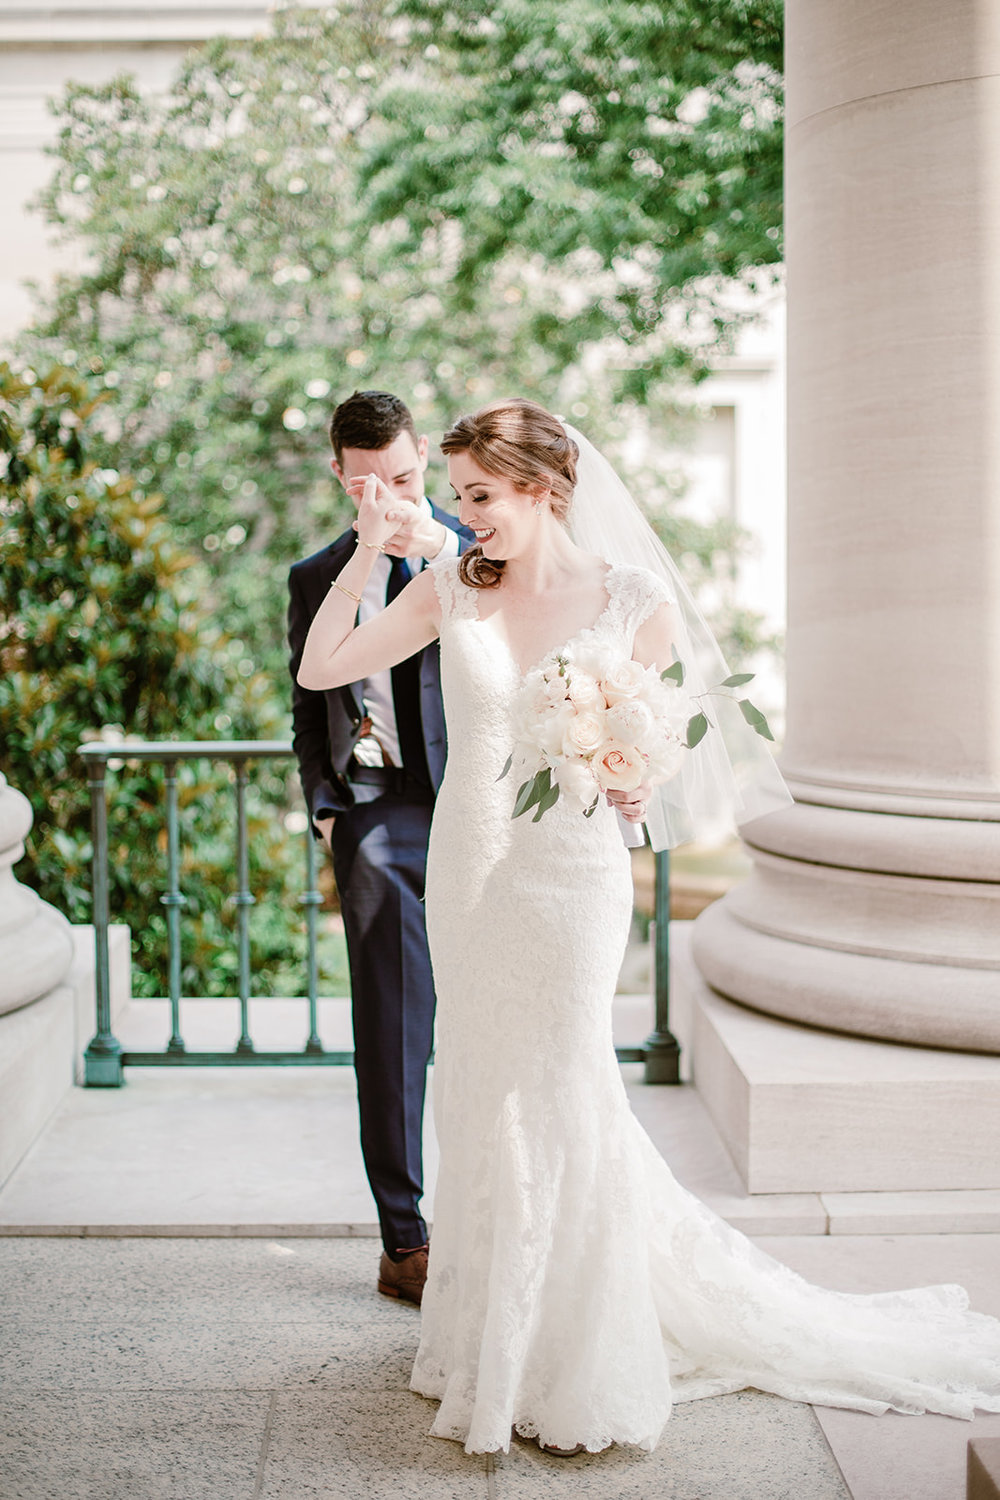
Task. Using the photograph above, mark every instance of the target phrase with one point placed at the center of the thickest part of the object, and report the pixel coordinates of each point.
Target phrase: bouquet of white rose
(588, 722)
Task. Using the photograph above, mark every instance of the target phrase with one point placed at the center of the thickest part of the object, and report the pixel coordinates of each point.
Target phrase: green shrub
(102, 636)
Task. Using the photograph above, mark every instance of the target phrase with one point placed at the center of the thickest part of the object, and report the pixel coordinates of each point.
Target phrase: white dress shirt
(376, 691)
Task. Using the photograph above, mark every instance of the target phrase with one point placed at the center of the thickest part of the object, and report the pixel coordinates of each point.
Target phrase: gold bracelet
(373, 545)
(350, 595)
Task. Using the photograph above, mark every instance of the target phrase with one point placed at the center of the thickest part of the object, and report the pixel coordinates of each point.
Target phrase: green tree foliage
(101, 636)
(634, 148)
(452, 201)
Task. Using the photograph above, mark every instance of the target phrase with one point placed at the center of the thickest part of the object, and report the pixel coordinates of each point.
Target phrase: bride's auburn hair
(520, 441)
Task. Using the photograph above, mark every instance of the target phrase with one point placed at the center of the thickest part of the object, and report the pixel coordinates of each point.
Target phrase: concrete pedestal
(36, 945)
(984, 1469)
(41, 1045)
(891, 1137)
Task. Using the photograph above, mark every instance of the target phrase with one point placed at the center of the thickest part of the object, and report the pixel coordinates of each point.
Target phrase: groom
(371, 757)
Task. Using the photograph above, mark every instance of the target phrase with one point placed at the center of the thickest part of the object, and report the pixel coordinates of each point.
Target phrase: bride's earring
(538, 507)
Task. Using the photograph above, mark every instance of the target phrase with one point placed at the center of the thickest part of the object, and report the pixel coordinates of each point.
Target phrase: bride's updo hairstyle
(520, 441)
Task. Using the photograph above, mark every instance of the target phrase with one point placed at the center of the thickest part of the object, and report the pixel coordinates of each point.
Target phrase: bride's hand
(631, 805)
(378, 518)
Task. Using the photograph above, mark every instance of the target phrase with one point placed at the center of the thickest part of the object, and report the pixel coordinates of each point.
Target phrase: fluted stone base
(866, 922)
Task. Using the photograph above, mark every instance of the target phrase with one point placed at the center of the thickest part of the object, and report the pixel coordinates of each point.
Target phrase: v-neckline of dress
(555, 650)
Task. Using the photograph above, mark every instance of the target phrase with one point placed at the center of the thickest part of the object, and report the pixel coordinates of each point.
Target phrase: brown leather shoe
(403, 1278)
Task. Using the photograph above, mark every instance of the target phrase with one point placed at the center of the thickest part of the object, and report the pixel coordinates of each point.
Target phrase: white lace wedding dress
(575, 1289)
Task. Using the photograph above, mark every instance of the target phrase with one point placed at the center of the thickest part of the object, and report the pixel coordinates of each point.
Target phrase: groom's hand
(324, 827)
(417, 534)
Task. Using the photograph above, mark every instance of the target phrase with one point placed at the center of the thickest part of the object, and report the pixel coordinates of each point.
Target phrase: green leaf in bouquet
(524, 798)
(738, 679)
(588, 812)
(674, 674)
(532, 791)
(503, 773)
(755, 718)
(548, 799)
(697, 730)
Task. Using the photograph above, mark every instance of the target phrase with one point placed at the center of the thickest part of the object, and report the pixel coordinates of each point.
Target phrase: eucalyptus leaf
(674, 674)
(533, 791)
(755, 718)
(503, 773)
(697, 730)
(548, 799)
(738, 679)
(588, 812)
(525, 798)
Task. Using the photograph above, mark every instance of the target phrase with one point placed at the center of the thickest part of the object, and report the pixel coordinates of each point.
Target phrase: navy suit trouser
(379, 861)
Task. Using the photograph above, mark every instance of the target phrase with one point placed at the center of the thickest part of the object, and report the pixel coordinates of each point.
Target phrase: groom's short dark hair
(370, 419)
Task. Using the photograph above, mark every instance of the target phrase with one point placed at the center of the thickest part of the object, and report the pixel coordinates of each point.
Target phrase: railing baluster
(103, 1057)
(173, 901)
(662, 1053)
(311, 899)
(244, 901)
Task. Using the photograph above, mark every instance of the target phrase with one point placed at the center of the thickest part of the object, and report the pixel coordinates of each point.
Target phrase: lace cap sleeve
(457, 600)
(638, 594)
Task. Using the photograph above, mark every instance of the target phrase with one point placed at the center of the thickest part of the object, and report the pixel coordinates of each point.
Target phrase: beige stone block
(983, 1477)
(947, 1211)
(803, 1110)
(36, 1069)
(41, 1044)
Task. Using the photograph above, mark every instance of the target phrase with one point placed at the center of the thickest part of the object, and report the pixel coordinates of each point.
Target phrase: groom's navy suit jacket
(327, 725)
(379, 848)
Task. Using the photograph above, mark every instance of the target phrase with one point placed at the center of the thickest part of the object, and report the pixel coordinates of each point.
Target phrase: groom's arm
(311, 733)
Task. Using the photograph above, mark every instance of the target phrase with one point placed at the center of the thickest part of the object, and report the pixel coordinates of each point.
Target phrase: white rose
(529, 722)
(673, 707)
(554, 688)
(551, 731)
(577, 785)
(622, 680)
(594, 657)
(584, 690)
(631, 720)
(584, 734)
(667, 759)
(618, 767)
(542, 686)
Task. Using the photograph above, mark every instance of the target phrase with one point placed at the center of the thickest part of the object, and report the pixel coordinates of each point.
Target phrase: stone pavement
(187, 1310)
(237, 1369)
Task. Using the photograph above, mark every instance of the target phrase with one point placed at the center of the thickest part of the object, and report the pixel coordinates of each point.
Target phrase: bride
(575, 1290)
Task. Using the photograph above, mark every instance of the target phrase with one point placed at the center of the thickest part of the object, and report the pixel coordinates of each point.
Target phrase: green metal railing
(105, 1059)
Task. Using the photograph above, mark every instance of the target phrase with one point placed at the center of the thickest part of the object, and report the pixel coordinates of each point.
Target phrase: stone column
(874, 906)
(36, 942)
